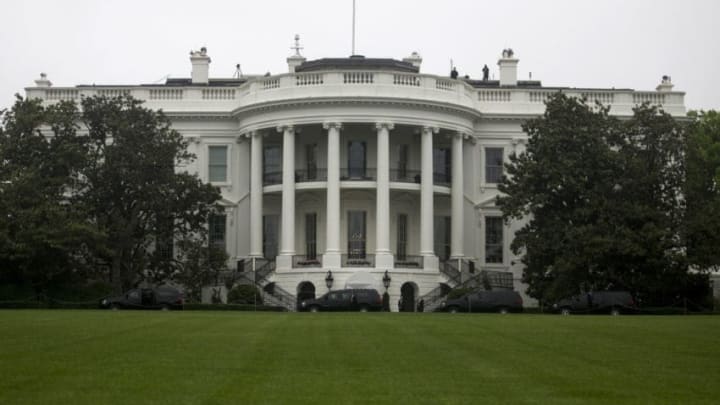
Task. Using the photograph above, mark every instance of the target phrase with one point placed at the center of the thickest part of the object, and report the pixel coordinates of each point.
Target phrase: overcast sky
(577, 43)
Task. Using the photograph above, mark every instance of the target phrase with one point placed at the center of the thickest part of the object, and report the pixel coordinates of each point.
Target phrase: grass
(96, 357)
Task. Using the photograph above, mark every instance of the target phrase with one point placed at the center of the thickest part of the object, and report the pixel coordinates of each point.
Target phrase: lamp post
(386, 280)
(329, 279)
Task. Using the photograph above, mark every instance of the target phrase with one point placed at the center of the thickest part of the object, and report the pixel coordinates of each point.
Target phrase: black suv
(502, 301)
(609, 302)
(362, 300)
(164, 297)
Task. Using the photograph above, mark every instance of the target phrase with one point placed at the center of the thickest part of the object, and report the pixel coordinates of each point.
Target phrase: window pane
(402, 237)
(270, 236)
(217, 231)
(217, 157)
(272, 165)
(311, 235)
(493, 165)
(442, 237)
(356, 159)
(493, 240)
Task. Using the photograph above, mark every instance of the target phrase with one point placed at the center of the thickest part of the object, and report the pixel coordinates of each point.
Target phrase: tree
(41, 233)
(96, 189)
(702, 191)
(134, 195)
(602, 199)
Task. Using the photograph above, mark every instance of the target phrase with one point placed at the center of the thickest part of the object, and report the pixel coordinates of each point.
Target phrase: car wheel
(565, 311)
(614, 311)
(453, 310)
(363, 308)
(314, 309)
(114, 307)
(503, 310)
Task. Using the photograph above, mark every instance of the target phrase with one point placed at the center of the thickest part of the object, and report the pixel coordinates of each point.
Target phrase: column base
(431, 262)
(283, 262)
(331, 261)
(384, 261)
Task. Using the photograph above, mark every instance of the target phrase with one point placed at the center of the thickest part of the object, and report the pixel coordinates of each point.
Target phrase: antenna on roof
(238, 72)
(297, 46)
(353, 29)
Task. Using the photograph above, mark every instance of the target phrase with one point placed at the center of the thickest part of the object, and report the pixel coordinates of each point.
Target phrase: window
(357, 162)
(356, 234)
(270, 236)
(442, 237)
(217, 164)
(403, 161)
(442, 166)
(402, 237)
(272, 165)
(493, 240)
(311, 236)
(493, 165)
(216, 228)
(311, 161)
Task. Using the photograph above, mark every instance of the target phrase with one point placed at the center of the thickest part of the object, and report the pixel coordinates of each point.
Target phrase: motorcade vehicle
(163, 297)
(603, 302)
(362, 300)
(501, 301)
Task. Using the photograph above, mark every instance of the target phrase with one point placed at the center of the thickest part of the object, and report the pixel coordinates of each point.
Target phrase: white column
(426, 199)
(256, 194)
(331, 258)
(287, 244)
(383, 255)
(456, 239)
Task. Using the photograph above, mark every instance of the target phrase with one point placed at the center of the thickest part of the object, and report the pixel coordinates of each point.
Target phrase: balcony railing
(304, 176)
(408, 262)
(358, 260)
(405, 176)
(306, 261)
(271, 178)
(442, 179)
(357, 174)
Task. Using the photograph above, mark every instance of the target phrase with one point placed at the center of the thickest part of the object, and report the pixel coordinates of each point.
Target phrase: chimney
(297, 59)
(200, 66)
(665, 86)
(43, 81)
(415, 59)
(508, 68)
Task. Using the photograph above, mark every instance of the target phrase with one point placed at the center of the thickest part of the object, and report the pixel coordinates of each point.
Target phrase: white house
(348, 171)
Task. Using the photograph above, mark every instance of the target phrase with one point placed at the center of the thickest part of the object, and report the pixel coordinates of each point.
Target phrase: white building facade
(360, 172)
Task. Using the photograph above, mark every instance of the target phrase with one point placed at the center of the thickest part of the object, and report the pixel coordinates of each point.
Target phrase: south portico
(390, 178)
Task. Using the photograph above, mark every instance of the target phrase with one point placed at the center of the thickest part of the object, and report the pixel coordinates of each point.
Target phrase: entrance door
(356, 234)
(306, 291)
(407, 302)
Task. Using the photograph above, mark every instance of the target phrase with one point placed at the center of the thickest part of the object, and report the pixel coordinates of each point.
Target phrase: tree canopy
(602, 199)
(96, 188)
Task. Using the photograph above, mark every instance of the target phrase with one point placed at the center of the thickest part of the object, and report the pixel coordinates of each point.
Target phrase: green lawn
(124, 357)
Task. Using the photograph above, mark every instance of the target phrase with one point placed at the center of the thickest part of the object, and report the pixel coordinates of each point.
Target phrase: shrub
(244, 294)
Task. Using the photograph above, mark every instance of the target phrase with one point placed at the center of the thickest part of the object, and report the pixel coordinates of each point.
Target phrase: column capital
(284, 128)
(427, 128)
(331, 124)
(386, 125)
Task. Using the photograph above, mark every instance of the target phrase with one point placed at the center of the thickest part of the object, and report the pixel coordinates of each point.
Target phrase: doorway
(305, 291)
(407, 297)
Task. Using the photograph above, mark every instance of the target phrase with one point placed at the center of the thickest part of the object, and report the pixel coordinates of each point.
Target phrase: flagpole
(353, 29)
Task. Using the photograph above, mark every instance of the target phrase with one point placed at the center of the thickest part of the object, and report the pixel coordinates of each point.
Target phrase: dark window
(216, 230)
(270, 236)
(311, 235)
(493, 165)
(403, 153)
(217, 163)
(493, 240)
(442, 237)
(311, 161)
(356, 234)
(442, 162)
(357, 162)
(402, 237)
(272, 165)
